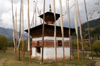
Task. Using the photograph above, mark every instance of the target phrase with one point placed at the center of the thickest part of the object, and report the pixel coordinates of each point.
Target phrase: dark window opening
(59, 43)
(38, 50)
(52, 22)
(37, 43)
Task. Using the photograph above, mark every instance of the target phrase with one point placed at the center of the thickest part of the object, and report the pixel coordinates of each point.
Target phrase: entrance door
(38, 49)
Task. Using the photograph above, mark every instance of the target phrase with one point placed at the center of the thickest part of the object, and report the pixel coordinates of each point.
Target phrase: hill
(9, 33)
(92, 23)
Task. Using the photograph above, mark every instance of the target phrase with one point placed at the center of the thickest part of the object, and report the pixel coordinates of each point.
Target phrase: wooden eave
(49, 31)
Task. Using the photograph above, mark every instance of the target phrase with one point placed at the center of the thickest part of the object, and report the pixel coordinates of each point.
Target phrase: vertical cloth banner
(75, 24)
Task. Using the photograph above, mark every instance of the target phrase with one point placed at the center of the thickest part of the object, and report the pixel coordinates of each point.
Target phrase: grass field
(11, 61)
(9, 53)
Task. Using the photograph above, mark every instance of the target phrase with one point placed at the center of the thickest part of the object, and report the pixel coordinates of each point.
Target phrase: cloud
(6, 11)
(6, 20)
(4, 6)
(14, 1)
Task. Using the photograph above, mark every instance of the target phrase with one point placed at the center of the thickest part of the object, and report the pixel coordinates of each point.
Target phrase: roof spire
(50, 8)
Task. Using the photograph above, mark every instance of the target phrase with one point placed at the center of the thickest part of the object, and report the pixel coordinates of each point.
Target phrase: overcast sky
(6, 11)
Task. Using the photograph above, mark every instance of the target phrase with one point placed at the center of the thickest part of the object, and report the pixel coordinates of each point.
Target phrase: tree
(93, 11)
(3, 43)
(96, 32)
(96, 47)
(25, 45)
(10, 44)
(74, 44)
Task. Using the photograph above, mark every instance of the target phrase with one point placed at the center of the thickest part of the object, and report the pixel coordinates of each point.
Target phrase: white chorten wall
(46, 38)
(49, 52)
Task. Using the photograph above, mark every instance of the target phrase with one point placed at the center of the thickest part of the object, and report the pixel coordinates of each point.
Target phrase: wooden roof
(49, 31)
(49, 16)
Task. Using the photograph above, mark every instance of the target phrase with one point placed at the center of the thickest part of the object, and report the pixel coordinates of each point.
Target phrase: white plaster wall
(46, 38)
(49, 52)
(34, 53)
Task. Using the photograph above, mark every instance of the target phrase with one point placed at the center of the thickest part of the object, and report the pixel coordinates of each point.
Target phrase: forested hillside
(92, 24)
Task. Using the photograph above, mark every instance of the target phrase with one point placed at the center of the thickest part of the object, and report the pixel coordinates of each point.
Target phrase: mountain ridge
(9, 33)
(92, 24)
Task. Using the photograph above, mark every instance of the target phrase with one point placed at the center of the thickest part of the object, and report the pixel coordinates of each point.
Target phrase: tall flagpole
(34, 14)
(55, 32)
(88, 28)
(62, 30)
(32, 22)
(29, 30)
(13, 19)
(69, 26)
(59, 22)
(81, 30)
(76, 29)
(40, 18)
(16, 33)
(39, 12)
(23, 29)
(36, 18)
(43, 31)
(20, 29)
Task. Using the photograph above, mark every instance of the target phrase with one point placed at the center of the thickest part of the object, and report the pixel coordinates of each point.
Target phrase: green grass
(11, 61)
(6, 55)
(14, 62)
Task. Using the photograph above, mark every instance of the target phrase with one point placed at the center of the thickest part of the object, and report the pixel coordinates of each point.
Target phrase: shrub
(86, 43)
(3, 43)
(86, 47)
(96, 47)
(74, 44)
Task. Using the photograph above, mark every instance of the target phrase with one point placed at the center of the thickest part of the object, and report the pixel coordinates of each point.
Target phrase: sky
(6, 11)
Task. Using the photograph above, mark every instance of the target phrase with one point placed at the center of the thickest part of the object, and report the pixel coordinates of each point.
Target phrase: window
(38, 49)
(59, 43)
(37, 43)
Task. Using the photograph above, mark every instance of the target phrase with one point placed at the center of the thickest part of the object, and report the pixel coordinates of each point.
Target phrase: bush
(3, 43)
(74, 44)
(96, 47)
(87, 43)
(86, 47)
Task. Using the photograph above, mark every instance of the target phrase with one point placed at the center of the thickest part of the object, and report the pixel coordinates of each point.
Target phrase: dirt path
(2, 61)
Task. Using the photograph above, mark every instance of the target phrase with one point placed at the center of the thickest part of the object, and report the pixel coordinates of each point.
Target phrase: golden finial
(50, 7)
